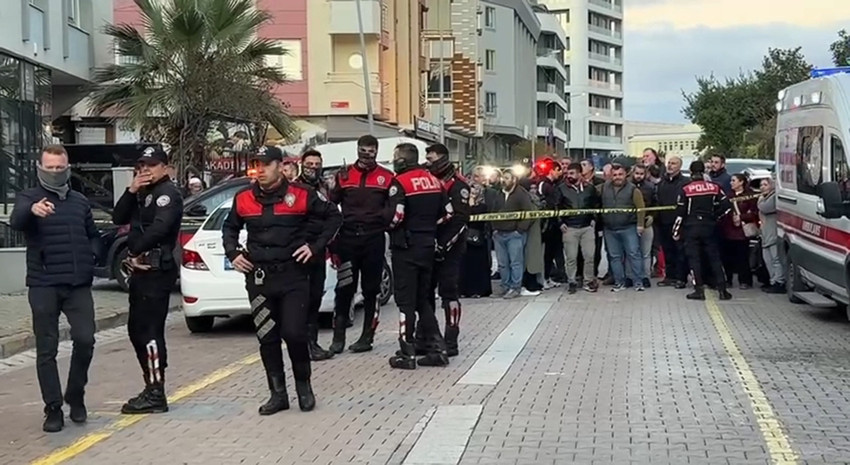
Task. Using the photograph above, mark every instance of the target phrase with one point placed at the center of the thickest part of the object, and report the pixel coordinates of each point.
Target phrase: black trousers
(317, 274)
(150, 292)
(445, 280)
(412, 269)
(553, 254)
(279, 309)
(77, 305)
(736, 260)
(361, 257)
(675, 259)
(701, 241)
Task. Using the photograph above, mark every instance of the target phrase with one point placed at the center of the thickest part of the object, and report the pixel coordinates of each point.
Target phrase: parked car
(212, 288)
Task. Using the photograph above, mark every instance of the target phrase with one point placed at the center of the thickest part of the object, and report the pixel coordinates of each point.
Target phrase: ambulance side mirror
(833, 202)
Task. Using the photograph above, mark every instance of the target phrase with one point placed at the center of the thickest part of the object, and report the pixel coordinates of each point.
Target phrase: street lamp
(366, 84)
(570, 132)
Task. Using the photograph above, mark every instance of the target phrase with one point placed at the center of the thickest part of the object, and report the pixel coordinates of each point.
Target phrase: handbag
(750, 229)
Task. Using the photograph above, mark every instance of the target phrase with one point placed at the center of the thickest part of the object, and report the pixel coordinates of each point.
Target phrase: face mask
(400, 165)
(439, 167)
(366, 159)
(55, 181)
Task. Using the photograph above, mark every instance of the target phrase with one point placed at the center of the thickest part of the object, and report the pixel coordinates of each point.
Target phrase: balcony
(606, 59)
(343, 17)
(605, 112)
(594, 29)
(553, 60)
(608, 5)
(605, 85)
(543, 128)
(80, 51)
(551, 93)
(345, 94)
(615, 140)
(36, 26)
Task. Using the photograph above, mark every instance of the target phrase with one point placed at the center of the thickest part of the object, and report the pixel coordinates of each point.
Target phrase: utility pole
(442, 75)
(366, 84)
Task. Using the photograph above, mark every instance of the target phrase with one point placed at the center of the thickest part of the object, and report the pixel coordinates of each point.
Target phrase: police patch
(148, 200)
(381, 180)
(163, 200)
(289, 200)
(464, 193)
(393, 190)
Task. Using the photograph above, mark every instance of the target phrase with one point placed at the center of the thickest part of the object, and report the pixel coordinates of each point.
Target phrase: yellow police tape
(540, 214)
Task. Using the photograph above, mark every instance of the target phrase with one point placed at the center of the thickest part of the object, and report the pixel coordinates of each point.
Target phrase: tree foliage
(840, 49)
(738, 115)
(194, 64)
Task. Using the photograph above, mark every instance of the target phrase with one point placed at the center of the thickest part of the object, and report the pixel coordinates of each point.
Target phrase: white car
(211, 288)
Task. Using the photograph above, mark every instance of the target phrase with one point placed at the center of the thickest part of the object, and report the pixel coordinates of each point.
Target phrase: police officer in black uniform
(446, 273)
(701, 203)
(362, 192)
(419, 203)
(288, 224)
(153, 207)
(311, 175)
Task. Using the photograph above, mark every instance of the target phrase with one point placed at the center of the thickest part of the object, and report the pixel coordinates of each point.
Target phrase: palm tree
(194, 64)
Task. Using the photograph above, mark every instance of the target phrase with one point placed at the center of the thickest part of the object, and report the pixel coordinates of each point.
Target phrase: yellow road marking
(778, 444)
(86, 442)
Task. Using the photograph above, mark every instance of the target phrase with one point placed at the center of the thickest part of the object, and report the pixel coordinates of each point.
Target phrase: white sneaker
(526, 293)
(548, 285)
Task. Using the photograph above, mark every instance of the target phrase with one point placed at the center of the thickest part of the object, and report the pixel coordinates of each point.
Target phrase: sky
(670, 42)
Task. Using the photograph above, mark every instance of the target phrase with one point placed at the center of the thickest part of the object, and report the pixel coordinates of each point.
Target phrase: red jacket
(749, 214)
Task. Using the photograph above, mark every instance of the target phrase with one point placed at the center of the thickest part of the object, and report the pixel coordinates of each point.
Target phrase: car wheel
(118, 273)
(200, 324)
(794, 282)
(386, 285)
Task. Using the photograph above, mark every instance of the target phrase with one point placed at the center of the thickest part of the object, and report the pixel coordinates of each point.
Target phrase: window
(290, 62)
(490, 60)
(434, 80)
(840, 172)
(809, 158)
(73, 12)
(490, 17)
(490, 103)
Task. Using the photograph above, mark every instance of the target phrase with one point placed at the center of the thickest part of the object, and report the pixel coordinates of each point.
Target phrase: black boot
(698, 294)
(279, 399)
(317, 353)
(78, 407)
(452, 332)
(338, 343)
(436, 356)
(151, 401)
(302, 372)
(54, 420)
(405, 358)
(724, 294)
(364, 343)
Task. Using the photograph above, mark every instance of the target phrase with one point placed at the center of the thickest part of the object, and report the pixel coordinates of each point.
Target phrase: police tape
(543, 214)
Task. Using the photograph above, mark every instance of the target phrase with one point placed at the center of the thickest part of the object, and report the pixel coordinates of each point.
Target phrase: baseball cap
(153, 156)
(268, 154)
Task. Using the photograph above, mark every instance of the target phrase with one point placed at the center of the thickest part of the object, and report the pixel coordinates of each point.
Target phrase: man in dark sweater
(509, 236)
(623, 230)
(61, 236)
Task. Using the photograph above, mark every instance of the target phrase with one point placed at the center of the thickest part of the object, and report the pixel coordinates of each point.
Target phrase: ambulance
(813, 187)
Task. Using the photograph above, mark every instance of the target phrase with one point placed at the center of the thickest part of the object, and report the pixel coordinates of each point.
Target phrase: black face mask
(440, 167)
(400, 165)
(367, 160)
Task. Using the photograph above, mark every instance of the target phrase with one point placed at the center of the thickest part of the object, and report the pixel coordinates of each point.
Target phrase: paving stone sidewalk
(16, 335)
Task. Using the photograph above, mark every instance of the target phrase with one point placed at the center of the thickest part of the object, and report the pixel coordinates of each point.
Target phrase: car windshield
(738, 166)
(216, 220)
(215, 195)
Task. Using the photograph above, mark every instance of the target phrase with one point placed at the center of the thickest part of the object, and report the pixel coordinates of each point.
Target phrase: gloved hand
(343, 173)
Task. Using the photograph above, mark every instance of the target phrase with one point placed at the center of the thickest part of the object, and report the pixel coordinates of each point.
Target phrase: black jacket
(701, 203)
(667, 193)
(419, 204)
(577, 197)
(454, 231)
(154, 215)
(363, 196)
(279, 222)
(61, 247)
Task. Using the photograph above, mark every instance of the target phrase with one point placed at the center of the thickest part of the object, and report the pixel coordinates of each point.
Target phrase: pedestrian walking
(60, 235)
(288, 224)
(153, 206)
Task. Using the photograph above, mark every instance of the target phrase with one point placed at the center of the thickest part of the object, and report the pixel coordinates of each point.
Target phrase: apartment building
(594, 59)
(48, 51)
(552, 79)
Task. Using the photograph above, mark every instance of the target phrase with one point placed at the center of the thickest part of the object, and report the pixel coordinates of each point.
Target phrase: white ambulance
(813, 187)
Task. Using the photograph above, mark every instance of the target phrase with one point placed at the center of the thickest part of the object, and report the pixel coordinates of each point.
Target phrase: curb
(20, 342)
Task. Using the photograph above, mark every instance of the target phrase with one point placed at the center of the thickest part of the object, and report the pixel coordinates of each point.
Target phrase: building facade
(552, 79)
(48, 52)
(673, 139)
(594, 59)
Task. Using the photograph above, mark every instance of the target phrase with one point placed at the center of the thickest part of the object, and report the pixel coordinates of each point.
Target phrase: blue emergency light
(816, 73)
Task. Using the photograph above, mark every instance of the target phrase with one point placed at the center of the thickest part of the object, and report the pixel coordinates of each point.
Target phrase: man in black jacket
(288, 224)
(553, 245)
(667, 193)
(153, 206)
(649, 191)
(578, 230)
(60, 234)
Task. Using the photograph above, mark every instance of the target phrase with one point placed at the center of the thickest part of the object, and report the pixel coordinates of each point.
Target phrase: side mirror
(833, 202)
(197, 210)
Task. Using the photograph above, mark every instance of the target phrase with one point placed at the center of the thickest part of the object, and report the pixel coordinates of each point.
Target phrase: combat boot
(338, 343)
(723, 294)
(367, 337)
(698, 294)
(317, 353)
(306, 400)
(279, 399)
(453, 312)
(152, 401)
(405, 358)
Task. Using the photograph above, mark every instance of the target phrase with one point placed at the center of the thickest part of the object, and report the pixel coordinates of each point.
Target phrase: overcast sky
(670, 42)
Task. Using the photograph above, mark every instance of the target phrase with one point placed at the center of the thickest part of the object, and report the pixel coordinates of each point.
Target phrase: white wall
(14, 270)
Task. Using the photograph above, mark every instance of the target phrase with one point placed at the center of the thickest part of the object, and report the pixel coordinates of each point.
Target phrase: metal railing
(608, 5)
(606, 139)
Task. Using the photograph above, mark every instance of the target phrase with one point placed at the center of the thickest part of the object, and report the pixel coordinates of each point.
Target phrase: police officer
(288, 224)
(701, 203)
(311, 175)
(153, 207)
(551, 174)
(361, 190)
(418, 203)
(452, 234)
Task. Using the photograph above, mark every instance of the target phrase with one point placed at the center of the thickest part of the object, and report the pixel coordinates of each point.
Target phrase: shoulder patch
(148, 200)
(464, 193)
(393, 190)
(163, 201)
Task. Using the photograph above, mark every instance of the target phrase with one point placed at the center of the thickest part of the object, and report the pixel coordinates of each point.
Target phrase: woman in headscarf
(475, 264)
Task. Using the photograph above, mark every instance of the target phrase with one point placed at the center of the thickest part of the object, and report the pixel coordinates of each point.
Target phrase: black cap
(153, 156)
(697, 166)
(268, 154)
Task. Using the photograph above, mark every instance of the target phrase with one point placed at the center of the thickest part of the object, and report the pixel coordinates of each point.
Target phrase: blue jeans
(510, 251)
(621, 243)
